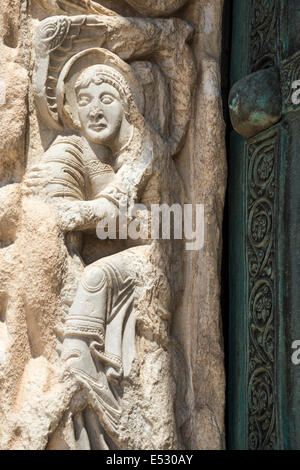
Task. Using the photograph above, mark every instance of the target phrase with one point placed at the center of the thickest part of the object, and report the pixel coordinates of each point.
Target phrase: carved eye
(83, 100)
(107, 99)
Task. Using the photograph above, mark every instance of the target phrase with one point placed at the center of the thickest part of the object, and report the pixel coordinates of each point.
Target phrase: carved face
(101, 112)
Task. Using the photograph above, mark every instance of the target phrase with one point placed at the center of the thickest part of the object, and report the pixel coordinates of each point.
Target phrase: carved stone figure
(100, 348)
(116, 159)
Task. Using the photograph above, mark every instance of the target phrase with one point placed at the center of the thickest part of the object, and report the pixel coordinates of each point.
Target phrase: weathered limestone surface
(202, 163)
(164, 387)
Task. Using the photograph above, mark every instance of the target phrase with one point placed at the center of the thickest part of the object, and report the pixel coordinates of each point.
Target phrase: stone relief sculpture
(109, 343)
(109, 155)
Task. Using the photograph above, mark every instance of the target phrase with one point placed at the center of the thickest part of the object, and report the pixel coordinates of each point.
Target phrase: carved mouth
(97, 127)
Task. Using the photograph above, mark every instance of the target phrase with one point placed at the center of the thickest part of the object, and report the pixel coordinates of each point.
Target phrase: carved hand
(37, 179)
(83, 215)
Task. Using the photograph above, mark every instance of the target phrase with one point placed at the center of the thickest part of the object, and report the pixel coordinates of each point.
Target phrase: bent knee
(93, 278)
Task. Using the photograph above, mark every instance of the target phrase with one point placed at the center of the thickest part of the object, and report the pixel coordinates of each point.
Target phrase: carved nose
(96, 112)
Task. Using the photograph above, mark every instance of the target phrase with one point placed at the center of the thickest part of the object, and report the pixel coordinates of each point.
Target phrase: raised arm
(145, 7)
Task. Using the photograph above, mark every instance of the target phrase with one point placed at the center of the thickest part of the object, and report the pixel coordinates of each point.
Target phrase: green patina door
(264, 226)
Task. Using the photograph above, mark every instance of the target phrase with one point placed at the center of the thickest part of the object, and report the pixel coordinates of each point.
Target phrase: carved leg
(88, 311)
